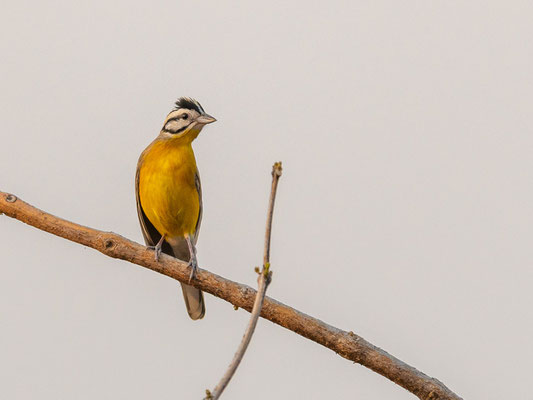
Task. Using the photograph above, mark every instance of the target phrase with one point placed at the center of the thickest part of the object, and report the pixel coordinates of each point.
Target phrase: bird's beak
(205, 119)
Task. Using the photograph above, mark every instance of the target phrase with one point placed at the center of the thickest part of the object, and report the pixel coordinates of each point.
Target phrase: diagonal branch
(346, 344)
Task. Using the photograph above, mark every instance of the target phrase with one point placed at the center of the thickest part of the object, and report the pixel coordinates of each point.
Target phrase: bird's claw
(193, 263)
(194, 267)
(157, 252)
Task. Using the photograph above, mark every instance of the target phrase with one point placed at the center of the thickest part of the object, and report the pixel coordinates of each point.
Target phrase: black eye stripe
(175, 132)
(179, 130)
(181, 116)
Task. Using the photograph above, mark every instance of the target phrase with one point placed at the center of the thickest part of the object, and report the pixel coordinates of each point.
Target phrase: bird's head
(186, 120)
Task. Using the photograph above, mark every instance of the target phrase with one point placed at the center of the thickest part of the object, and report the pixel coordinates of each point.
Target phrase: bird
(168, 193)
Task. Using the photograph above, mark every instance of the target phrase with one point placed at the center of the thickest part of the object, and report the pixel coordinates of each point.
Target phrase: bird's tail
(194, 301)
(194, 298)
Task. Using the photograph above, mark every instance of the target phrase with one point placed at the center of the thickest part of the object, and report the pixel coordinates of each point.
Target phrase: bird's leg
(157, 247)
(193, 263)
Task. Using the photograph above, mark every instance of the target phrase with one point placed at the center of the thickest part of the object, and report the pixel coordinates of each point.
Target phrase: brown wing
(198, 185)
(194, 298)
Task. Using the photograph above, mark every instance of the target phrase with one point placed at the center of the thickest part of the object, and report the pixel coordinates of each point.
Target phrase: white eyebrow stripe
(174, 114)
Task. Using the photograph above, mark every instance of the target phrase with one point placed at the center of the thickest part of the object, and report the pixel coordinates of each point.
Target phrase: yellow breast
(167, 188)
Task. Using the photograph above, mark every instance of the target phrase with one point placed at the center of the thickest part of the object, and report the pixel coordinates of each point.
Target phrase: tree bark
(345, 343)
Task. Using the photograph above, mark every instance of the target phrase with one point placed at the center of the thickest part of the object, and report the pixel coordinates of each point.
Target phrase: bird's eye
(184, 116)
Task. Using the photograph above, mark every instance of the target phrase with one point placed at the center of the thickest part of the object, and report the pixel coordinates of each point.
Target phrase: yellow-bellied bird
(169, 195)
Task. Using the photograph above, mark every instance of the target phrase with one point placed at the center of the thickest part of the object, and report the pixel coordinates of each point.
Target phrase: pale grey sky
(404, 212)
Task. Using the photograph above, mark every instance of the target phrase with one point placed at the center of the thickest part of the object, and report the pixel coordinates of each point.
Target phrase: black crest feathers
(190, 104)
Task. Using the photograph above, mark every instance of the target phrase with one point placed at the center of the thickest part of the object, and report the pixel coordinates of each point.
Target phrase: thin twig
(263, 282)
(276, 174)
(345, 343)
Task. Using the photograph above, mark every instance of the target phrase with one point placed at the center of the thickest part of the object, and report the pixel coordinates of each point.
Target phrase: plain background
(404, 212)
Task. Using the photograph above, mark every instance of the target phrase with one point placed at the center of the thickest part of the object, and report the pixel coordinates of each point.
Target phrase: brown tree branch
(263, 281)
(346, 344)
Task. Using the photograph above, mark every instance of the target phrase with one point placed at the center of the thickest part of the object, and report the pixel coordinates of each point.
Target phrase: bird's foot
(157, 248)
(193, 262)
(157, 251)
(194, 267)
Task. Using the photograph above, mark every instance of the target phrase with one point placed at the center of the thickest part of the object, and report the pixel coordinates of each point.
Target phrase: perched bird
(169, 195)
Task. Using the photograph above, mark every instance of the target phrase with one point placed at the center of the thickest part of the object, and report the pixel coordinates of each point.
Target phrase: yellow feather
(167, 188)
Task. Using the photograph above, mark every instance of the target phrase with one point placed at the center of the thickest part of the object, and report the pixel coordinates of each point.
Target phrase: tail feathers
(194, 301)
